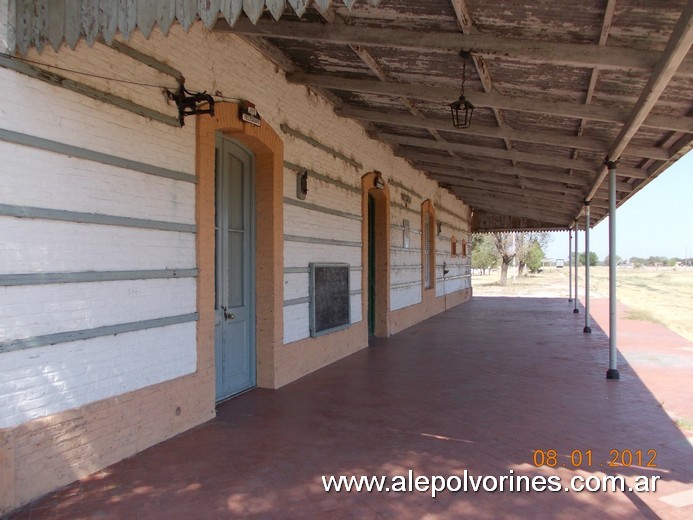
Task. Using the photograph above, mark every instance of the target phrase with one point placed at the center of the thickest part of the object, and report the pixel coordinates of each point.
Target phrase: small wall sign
(249, 114)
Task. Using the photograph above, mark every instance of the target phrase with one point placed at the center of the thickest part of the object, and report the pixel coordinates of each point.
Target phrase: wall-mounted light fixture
(379, 182)
(445, 268)
(406, 199)
(187, 102)
(462, 110)
(302, 185)
(440, 227)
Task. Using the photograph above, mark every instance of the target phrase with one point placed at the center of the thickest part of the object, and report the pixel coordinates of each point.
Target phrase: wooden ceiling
(558, 86)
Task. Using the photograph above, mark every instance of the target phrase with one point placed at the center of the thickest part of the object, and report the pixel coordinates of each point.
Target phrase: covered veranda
(477, 388)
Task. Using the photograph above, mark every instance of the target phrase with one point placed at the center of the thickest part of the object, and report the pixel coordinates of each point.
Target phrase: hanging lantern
(462, 109)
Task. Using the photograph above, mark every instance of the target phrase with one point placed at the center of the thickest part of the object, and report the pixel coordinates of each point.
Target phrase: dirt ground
(657, 294)
(662, 296)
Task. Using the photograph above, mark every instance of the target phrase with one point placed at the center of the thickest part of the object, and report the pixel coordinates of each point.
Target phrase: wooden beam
(271, 52)
(547, 138)
(373, 64)
(443, 95)
(486, 46)
(489, 222)
(493, 187)
(580, 180)
(496, 153)
(464, 20)
(606, 25)
(674, 53)
(505, 180)
(461, 165)
(508, 206)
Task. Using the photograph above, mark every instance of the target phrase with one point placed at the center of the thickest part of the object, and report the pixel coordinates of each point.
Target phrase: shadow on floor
(477, 388)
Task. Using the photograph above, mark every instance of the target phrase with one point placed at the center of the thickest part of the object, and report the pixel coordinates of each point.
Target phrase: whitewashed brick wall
(41, 179)
(45, 380)
(39, 381)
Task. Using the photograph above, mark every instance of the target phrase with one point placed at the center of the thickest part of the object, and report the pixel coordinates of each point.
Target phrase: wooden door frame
(382, 252)
(268, 148)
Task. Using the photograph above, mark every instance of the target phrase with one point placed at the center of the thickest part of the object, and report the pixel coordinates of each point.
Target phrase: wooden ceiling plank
(671, 59)
(376, 68)
(606, 26)
(483, 201)
(444, 95)
(460, 164)
(504, 188)
(484, 45)
(464, 20)
(497, 153)
(506, 180)
(547, 138)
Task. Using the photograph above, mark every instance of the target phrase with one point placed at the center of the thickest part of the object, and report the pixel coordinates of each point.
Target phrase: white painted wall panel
(34, 245)
(405, 257)
(317, 224)
(300, 254)
(296, 285)
(41, 381)
(50, 180)
(408, 274)
(323, 193)
(55, 113)
(355, 308)
(355, 279)
(37, 310)
(401, 297)
(296, 322)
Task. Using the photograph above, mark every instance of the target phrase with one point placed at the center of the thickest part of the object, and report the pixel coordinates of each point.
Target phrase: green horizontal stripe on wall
(92, 276)
(321, 209)
(8, 210)
(90, 155)
(325, 241)
(321, 177)
(306, 270)
(97, 332)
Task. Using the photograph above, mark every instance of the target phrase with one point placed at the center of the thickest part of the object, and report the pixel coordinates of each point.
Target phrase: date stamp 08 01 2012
(585, 459)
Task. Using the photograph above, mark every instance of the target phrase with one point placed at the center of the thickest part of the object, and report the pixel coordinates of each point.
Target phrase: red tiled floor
(477, 388)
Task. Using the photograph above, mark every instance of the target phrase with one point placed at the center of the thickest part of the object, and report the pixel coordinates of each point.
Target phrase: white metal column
(570, 265)
(575, 309)
(587, 329)
(612, 372)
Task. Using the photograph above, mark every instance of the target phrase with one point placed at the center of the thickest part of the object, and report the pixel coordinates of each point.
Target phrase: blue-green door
(235, 290)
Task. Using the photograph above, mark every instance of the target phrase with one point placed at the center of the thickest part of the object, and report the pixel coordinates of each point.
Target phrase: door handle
(228, 315)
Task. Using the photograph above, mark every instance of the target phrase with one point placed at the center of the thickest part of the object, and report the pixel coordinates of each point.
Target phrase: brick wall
(75, 406)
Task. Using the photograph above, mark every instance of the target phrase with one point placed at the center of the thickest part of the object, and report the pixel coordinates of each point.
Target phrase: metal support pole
(612, 372)
(587, 329)
(575, 309)
(570, 265)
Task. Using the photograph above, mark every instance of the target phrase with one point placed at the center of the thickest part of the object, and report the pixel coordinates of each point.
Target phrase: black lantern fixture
(462, 110)
(188, 102)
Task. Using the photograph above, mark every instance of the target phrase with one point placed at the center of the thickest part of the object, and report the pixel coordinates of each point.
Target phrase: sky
(656, 221)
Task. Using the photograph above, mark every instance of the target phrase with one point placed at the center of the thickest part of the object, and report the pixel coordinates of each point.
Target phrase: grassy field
(663, 295)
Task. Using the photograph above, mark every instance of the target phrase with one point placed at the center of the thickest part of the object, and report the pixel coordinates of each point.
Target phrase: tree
(594, 259)
(535, 257)
(505, 246)
(516, 245)
(606, 260)
(526, 245)
(484, 254)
